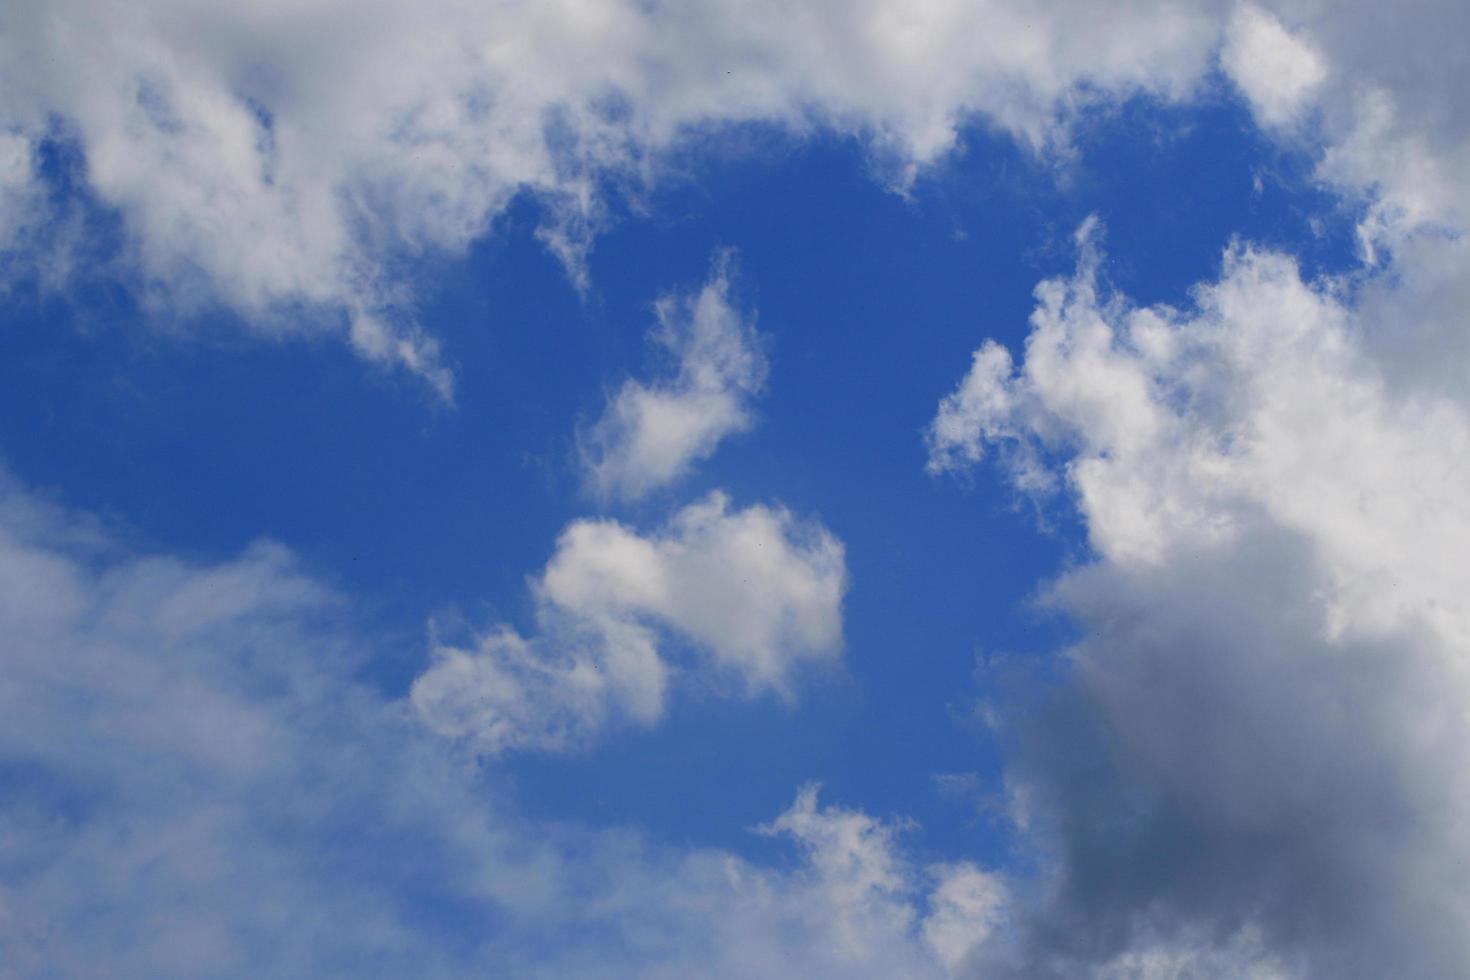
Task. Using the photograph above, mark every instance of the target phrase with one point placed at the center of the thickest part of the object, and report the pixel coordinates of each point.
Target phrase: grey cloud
(1253, 761)
(1218, 780)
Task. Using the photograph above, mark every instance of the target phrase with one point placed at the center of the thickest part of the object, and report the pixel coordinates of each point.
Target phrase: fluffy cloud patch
(290, 160)
(750, 595)
(196, 782)
(651, 434)
(1277, 70)
(1178, 431)
(1272, 667)
(1272, 676)
(862, 878)
(176, 743)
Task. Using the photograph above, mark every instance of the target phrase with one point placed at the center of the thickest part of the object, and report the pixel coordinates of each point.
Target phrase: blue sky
(368, 617)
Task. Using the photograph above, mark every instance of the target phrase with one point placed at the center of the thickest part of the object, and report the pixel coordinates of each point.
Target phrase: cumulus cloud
(1394, 125)
(856, 866)
(289, 161)
(651, 434)
(852, 906)
(1254, 764)
(1275, 69)
(1380, 88)
(749, 596)
(292, 161)
(198, 781)
(967, 907)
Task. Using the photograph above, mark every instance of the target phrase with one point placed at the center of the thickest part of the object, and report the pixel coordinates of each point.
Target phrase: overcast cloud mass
(630, 659)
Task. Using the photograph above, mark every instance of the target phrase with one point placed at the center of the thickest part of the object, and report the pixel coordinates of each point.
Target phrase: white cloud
(291, 160)
(17, 185)
(854, 863)
(862, 887)
(1259, 754)
(287, 160)
(1395, 125)
(966, 907)
(197, 782)
(1275, 69)
(28, 247)
(754, 595)
(1180, 431)
(173, 741)
(651, 434)
(852, 906)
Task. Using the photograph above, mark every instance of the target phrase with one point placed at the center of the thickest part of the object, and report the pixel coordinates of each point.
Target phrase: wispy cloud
(652, 433)
(197, 783)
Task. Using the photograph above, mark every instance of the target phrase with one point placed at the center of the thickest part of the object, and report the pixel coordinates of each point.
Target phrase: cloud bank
(316, 152)
(1272, 670)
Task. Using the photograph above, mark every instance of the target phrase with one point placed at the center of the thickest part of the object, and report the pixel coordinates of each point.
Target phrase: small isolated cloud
(1255, 765)
(753, 594)
(651, 434)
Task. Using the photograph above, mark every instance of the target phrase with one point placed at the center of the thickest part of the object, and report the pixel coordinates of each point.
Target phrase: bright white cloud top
(652, 434)
(755, 592)
(1248, 758)
(1273, 624)
(308, 145)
